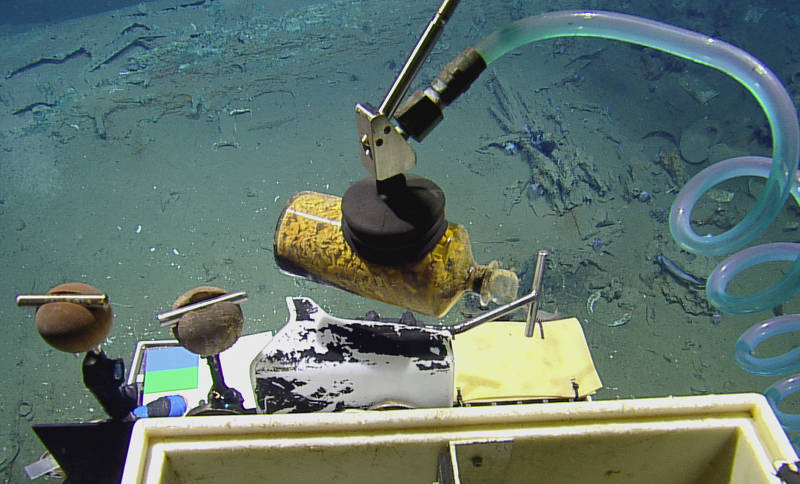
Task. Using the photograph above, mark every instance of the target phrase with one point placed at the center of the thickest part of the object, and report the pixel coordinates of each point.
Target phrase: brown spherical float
(211, 330)
(72, 327)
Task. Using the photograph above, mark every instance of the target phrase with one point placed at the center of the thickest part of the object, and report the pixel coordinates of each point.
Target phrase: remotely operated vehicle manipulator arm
(387, 237)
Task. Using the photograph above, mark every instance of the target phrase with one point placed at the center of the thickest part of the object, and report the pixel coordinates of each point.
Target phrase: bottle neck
(494, 284)
(479, 278)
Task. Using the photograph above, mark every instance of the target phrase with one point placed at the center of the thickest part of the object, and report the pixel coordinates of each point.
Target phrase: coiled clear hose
(780, 171)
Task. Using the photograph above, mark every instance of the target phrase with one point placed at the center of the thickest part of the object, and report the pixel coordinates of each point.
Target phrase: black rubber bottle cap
(393, 221)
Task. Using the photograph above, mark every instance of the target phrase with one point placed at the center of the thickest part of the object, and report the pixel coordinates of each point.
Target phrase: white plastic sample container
(699, 439)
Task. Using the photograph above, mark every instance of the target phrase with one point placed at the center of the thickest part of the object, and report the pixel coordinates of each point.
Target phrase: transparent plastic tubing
(779, 365)
(779, 391)
(752, 74)
(780, 171)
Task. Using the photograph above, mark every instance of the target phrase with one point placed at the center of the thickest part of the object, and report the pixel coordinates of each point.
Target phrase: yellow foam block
(495, 361)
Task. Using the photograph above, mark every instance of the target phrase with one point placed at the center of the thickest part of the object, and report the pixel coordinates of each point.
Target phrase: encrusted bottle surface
(309, 243)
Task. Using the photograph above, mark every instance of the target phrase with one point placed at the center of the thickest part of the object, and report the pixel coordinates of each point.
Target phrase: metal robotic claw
(384, 149)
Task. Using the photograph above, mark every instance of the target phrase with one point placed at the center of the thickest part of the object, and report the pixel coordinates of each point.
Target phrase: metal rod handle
(417, 57)
(88, 300)
(493, 314)
(169, 318)
(533, 309)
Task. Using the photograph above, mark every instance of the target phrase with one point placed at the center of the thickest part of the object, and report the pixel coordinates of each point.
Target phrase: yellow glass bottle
(309, 243)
